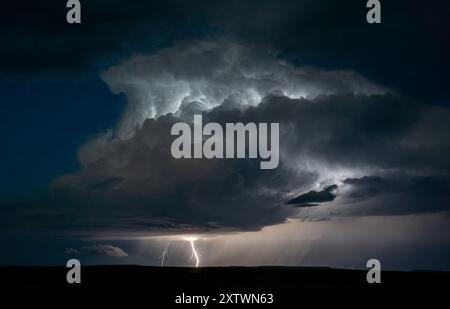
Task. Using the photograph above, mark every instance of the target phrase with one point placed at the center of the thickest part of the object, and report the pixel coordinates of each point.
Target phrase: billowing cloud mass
(356, 147)
(196, 76)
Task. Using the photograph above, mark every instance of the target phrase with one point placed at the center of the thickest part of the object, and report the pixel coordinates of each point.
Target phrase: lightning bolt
(194, 254)
(164, 254)
(191, 240)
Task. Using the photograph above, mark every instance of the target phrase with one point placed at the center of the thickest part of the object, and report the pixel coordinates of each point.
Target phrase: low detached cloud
(339, 133)
(313, 198)
(99, 249)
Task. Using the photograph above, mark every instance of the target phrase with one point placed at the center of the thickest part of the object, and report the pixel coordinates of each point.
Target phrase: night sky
(364, 113)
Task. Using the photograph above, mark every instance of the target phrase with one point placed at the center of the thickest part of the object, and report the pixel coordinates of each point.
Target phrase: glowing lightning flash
(164, 254)
(192, 240)
(194, 255)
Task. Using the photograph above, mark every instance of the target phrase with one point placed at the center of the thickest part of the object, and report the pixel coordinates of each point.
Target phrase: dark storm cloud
(406, 52)
(397, 194)
(36, 36)
(138, 181)
(378, 132)
(335, 128)
(135, 184)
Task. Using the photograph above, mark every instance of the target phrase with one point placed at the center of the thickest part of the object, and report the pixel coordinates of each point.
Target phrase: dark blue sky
(45, 118)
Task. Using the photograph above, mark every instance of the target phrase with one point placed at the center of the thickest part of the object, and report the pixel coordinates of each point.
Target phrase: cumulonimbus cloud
(335, 128)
